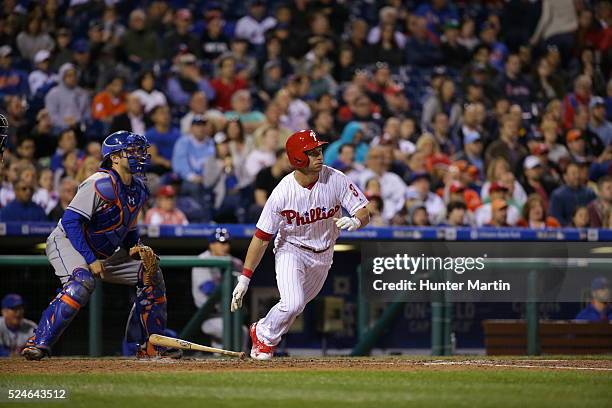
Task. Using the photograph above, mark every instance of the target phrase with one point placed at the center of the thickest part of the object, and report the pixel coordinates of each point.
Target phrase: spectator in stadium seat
(580, 217)
(14, 329)
(488, 37)
(353, 133)
(484, 213)
(323, 125)
(45, 194)
(455, 54)
(139, 45)
(599, 207)
(33, 39)
(295, 112)
(600, 308)
(387, 49)
(576, 144)
(62, 52)
(346, 163)
(165, 212)
(456, 214)
(467, 35)
(186, 81)
(360, 49)
(226, 83)
(536, 181)
(11, 176)
(392, 186)
(547, 86)
(444, 101)
(580, 97)
(594, 145)
(472, 150)
(438, 13)
(67, 103)
(440, 128)
(67, 191)
(499, 214)
(148, 95)
(273, 115)
(253, 26)
(66, 142)
(421, 48)
(387, 17)
(557, 25)
(22, 208)
(598, 123)
(534, 214)
(179, 38)
(41, 78)
(567, 197)
(214, 41)
(192, 150)
(198, 105)
(110, 102)
(507, 145)
(246, 64)
(89, 70)
(269, 177)
(420, 190)
(162, 137)
(512, 83)
(417, 215)
(264, 154)
(13, 81)
(132, 119)
(242, 110)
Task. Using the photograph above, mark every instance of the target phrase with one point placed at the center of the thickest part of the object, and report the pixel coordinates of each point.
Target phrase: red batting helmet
(300, 142)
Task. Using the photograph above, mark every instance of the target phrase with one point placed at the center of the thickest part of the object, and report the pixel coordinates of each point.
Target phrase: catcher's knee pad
(60, 312)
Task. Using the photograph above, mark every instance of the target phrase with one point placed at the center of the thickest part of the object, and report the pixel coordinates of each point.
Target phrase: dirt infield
(107, 365)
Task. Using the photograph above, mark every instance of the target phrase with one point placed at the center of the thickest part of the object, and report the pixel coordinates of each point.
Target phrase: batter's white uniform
(304, 220)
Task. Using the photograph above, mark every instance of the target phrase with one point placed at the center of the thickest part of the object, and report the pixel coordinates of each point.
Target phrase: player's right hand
(97, 268)
(239, 291)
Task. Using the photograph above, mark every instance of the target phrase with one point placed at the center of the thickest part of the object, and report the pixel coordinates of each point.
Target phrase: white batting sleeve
(270, 218)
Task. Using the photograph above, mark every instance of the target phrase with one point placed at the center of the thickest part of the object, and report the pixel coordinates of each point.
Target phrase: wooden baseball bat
(164, 341)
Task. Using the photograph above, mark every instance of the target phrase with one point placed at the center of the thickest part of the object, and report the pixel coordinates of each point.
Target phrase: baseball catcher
(97, 239)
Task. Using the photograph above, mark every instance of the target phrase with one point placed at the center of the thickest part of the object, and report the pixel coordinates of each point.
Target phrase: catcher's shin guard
(60, 312)
(148, 314)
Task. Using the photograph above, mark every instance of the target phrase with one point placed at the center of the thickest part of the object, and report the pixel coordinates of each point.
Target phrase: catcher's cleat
(34, 353)
(259, 350)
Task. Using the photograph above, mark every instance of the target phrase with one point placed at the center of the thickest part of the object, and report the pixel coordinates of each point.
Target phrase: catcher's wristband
(247, 272)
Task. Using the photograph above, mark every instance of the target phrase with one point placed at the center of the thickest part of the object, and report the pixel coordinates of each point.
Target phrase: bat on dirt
(164, 341)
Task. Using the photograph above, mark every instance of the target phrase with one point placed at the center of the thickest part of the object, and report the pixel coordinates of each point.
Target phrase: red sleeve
(262, 235)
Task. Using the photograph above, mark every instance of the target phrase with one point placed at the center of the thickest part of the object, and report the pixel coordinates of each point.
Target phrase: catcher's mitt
(150, 262)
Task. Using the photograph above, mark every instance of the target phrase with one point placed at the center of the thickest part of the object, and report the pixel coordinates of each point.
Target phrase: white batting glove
(348, 223)
(239, 291)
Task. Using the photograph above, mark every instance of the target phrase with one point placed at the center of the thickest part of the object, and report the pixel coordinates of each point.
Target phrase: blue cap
(222, 235)
(598, 283)
(81, 46)
(420, 175)
(12, 301)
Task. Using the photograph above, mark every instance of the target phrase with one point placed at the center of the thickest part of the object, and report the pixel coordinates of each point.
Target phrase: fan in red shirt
(165, 211)
(226, 83)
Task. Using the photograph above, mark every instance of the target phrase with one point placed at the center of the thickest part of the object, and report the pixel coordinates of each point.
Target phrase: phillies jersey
(304, 216)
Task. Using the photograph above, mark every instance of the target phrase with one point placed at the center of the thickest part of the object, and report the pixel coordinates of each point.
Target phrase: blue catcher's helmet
(134, 145)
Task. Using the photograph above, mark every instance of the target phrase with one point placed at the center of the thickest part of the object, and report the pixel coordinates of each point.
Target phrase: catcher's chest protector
(111, 222)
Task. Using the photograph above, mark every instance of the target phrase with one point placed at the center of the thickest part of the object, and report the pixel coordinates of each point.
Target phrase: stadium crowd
(460, 113)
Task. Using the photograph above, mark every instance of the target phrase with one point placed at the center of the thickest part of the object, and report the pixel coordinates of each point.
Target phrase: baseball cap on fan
(12, 301)
(531, 162)
(41, 56)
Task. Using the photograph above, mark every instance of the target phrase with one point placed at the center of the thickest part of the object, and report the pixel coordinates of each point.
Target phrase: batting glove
(239, 291)
(348, 223)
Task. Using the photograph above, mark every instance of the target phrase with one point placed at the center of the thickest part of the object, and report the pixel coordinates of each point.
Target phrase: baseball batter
(97, 239)
(304, 211)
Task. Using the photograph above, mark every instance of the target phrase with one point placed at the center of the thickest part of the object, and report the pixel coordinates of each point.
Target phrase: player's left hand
(348, 223)
(150, 261)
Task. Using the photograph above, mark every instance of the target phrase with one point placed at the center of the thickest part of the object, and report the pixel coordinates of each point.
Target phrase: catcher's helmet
(300, 142)
(137, 155)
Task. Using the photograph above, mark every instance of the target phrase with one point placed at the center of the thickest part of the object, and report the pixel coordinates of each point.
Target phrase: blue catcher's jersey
(111, 207)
